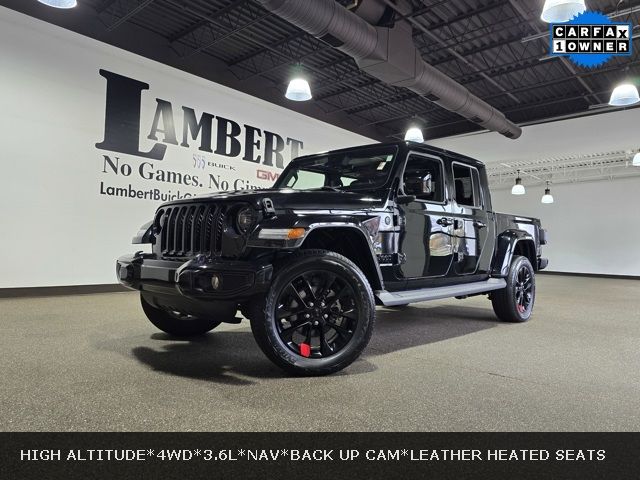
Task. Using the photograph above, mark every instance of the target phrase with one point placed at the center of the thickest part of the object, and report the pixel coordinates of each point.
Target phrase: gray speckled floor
(93, 362)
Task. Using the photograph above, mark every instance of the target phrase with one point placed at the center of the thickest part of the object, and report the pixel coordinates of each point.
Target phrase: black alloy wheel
(515, 302)
(524, 289)
(318, 315)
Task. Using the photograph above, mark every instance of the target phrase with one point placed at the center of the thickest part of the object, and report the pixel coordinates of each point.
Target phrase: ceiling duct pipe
(372, 12)
(388, 54)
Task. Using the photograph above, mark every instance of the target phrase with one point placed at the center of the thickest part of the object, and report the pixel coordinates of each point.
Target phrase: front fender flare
(376, 282)
(312, 223)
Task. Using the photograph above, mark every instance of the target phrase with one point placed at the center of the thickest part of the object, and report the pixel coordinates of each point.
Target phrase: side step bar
(412, 296)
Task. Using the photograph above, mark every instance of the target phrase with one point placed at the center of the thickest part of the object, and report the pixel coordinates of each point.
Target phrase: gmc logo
(267, 175)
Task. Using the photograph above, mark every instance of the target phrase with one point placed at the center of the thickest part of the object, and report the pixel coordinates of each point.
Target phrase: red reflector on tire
(305, 349)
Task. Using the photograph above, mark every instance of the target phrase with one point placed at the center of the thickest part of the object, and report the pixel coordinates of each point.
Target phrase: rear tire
(515, 302)
(318, 315)
(175, 323)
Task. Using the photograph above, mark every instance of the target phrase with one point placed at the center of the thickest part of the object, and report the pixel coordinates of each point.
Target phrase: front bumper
(542, 263)
(200, 278)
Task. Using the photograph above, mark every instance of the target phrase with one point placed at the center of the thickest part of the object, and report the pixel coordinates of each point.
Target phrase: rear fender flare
(505, 247)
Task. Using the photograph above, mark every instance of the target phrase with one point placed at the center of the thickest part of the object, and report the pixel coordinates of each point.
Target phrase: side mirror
(419, 185)
(405, 199)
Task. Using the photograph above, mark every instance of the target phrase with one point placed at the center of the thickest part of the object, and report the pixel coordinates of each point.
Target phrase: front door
(470, 219)
(426, 237)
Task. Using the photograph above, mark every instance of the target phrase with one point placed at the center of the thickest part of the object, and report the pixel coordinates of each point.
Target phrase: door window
(424, 178)
(467, 185)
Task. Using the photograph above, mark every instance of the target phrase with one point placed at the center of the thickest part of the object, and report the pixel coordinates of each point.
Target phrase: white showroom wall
(73, 165)
(594, 227)
(597, 133)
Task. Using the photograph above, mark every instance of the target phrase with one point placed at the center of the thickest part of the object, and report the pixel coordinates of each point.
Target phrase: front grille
(190, 230)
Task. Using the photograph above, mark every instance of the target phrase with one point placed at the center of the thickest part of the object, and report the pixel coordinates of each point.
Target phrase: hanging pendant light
(59, 3)
(547, 197)
(560, 11)
(624, 95)
(518, 188)
(414, 134)
(636, 160)
(298, 90)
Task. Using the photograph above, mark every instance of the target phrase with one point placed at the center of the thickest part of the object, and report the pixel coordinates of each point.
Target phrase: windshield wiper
(333, 189)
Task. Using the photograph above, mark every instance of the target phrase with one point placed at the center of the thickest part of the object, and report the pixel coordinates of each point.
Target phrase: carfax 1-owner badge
(591, 39)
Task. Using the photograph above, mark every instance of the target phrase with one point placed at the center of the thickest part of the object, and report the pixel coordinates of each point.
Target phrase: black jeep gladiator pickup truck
(339, 233)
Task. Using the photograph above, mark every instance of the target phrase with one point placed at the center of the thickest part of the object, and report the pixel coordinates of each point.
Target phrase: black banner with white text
(320, 455)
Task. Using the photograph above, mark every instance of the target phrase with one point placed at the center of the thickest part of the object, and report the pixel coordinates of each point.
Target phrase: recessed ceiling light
(560, 11)
(298, 90)
(624, 95)
(60, 3)
(414, 134)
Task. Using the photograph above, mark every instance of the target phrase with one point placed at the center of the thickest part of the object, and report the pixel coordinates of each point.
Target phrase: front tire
(318, 315)
(515, 302)
(175, 323)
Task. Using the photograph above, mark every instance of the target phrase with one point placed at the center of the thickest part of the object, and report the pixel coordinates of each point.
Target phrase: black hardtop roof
(404, 147)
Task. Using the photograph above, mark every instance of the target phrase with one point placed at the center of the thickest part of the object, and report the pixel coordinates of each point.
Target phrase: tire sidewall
(281, 353)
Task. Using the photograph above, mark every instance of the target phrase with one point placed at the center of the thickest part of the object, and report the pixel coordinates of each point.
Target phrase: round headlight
(245, 219)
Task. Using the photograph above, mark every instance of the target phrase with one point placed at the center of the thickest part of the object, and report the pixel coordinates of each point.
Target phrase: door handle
(479, 224)
(444, 222)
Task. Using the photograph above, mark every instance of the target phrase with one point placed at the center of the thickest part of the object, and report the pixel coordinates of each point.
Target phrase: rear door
(426, 238)
(470, 220)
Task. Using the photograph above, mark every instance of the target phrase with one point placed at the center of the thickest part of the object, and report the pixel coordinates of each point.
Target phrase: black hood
(298, 199)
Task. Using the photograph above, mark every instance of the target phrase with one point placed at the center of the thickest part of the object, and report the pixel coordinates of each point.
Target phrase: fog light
(216, 281)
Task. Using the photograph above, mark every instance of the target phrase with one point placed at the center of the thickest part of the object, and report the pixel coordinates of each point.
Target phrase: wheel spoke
(298, 297)
(339, 295)
(308, 289)
(307, 338)
(287, 313)
(325, 348)
(340, 329)
(287, 333)
(326, 288)
(351, 313)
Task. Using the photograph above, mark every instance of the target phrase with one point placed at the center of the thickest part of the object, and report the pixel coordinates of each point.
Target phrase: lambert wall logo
(591, 39)
(218, 145)
(212, 133)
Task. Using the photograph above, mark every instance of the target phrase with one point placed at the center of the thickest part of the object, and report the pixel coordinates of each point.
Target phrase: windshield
(364, 169)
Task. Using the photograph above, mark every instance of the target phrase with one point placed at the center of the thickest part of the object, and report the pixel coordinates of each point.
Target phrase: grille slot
(189, 230)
